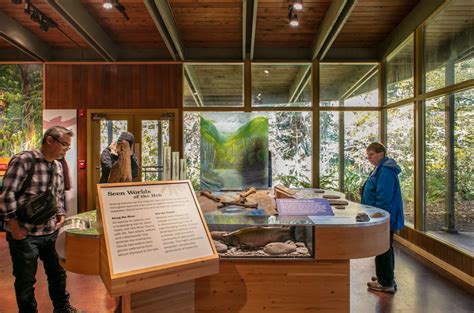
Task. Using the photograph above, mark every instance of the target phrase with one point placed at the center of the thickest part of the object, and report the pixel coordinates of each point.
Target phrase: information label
(308, 207)
(152, 225)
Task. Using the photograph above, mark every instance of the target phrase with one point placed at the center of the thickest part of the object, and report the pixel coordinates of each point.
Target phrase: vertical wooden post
(419, 132)
(315, 172)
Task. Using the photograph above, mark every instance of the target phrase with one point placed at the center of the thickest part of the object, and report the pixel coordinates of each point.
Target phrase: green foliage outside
(21, 122)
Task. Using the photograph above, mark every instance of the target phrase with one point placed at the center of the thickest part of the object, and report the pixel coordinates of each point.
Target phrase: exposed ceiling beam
(249, 23)
(352, 54)
(84, 24)
(341, 21)
(196, 91)
(423, 10)
(302, 78)
(162, 16)
(326, 25)
(370, 73)
(22, 39)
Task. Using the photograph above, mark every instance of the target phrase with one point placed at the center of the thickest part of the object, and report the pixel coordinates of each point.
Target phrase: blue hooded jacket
(382, 190)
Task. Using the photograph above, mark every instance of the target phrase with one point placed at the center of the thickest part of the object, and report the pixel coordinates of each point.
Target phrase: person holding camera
(32, 205)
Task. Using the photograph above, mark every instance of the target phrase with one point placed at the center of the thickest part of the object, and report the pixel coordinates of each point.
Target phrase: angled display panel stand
(153, 235)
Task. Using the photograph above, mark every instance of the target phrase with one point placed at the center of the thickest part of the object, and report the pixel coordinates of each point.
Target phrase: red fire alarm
(82, 112)
(82, 164)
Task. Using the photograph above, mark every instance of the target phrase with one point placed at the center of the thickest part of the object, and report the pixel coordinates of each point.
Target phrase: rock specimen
(338, 202)
(331, 197)
(377, 214)
(277, 248)
(362, 217)
(257, 236)
(220, 247)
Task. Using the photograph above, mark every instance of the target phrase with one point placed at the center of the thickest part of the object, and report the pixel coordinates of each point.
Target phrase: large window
(449, 57)
(400, 145)
(439, 131)
(399, 73)
(360, 129)
(344, 135)
(281, 85)
(213, 85)
(329, 150)
(346, 84)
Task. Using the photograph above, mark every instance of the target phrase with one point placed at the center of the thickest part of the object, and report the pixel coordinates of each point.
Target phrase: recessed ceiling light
(107, 4)
(266, 71)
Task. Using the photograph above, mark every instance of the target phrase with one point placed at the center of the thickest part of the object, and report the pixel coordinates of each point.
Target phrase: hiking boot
(375, 285)
(67, 308)
(394, 283)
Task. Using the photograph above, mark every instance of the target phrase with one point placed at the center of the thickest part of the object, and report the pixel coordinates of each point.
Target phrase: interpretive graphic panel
(152, 224)
(308, 207)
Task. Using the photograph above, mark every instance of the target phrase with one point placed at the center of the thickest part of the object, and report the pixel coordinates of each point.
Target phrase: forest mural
(234, 150)
(21, 88)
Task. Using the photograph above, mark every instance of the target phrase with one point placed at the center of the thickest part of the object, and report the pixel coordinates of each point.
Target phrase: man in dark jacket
(382, 190)
(109, 156)
(28, 242)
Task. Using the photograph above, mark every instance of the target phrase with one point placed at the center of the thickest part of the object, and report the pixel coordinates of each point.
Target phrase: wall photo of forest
(21, 88)
(234, 151)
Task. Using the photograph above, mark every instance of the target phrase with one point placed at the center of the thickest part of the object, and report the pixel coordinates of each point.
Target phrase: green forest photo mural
(234, 150)
(21, 88)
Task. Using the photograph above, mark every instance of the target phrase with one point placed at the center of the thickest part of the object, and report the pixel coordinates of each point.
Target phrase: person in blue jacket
(382, 190)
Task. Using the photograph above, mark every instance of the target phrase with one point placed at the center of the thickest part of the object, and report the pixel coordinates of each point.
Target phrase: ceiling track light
(298, 5)
(45, 23)
(292, 16)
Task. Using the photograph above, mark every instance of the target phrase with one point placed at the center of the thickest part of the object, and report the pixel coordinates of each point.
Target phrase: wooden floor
(420, 289)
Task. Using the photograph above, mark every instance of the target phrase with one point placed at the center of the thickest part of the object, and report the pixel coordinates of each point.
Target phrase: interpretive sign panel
(149, 227)
(308, 207)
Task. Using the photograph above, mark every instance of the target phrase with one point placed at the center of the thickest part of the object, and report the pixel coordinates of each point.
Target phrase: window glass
(400, 144)
(399, 73)
(290, 147)
(449, 58)
(463, 160)
(210, 85)
(288, 140)
(349, 84)
(435, 163)
(281, 85)
(329, 152)
(360, 129)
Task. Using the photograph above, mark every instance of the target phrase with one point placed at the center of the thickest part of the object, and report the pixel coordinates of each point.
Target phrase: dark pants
(385, 265)
(25, 255)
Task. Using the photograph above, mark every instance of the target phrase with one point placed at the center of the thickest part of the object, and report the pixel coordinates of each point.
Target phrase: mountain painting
(234, 151)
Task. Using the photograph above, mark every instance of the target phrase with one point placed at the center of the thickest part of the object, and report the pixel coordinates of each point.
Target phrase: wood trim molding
(440, 264)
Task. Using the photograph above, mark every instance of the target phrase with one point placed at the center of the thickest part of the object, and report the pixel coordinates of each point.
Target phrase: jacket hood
(391, 165)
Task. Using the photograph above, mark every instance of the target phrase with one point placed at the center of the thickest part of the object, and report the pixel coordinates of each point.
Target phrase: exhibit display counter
(313, 275)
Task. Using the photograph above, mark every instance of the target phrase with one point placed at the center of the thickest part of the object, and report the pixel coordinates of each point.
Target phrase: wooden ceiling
(217, 30)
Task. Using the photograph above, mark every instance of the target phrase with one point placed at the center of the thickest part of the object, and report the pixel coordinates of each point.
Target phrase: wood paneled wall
(113, 86)
(441, 250)
(109, 86)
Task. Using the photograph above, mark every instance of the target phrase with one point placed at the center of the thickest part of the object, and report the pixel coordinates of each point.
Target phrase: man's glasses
(65, 146)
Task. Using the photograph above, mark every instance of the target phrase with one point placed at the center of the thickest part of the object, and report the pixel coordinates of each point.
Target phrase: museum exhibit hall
(249, 156)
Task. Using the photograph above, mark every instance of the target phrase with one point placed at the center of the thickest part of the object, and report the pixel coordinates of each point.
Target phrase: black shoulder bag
(39, 209)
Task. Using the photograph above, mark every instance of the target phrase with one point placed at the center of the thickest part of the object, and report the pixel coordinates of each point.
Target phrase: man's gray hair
(56, 132)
